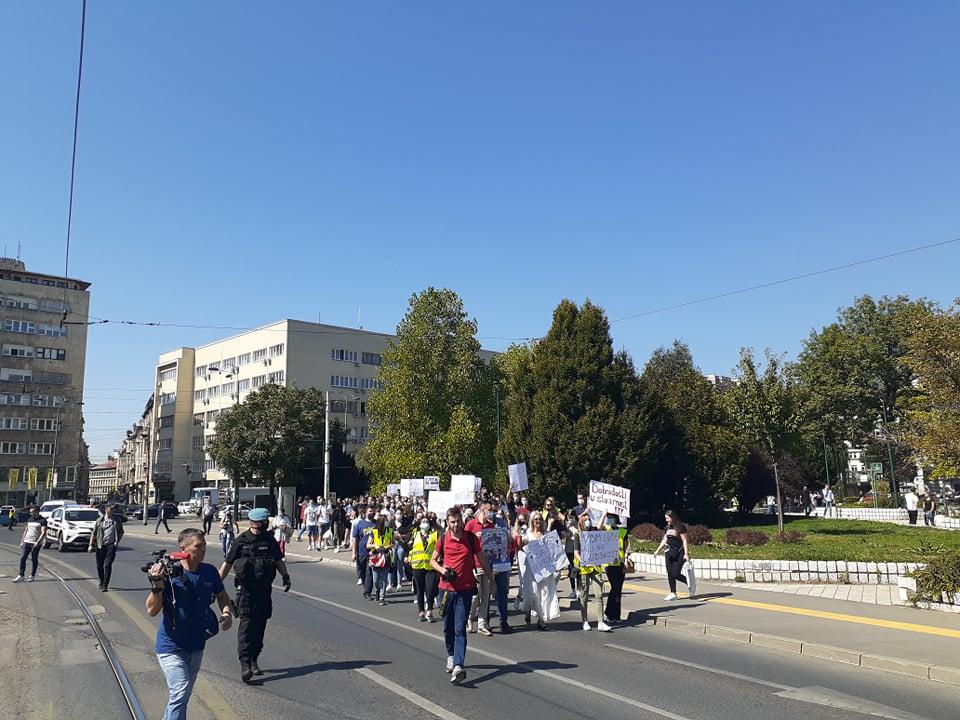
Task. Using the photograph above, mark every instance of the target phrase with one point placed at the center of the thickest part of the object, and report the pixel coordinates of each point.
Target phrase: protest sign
(464, 497)
(431, 482)
(518, 477)
(496, 547)
(464, 483)
(545, 556)
(612, 499)
(439, 501)
(393, 489)
(411, 487)
(599, 547)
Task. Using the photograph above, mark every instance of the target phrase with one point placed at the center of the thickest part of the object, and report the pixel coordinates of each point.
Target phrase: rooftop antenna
(359, 324)
(18, 250)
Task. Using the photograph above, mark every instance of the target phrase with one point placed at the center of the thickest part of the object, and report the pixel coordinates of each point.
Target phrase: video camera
(170, 563)
(450, 575)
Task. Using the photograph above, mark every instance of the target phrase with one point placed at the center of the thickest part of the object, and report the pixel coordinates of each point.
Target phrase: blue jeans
(455, 624)
(181, 670)
(227, 541)
(397, 574)
(380, 576)
(502, 585)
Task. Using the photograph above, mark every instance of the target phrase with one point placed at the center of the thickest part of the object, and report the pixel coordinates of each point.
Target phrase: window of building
(13, 423)
(198, 442)
(48, 400)
(40, 448)
(228, 364)
(276, 350)
(169, 374)
(47, 353)
(165, 444)
(199, 395)
(44, 424)
(212, 416)
(227, 389)
(24, 303)
(52, 305)
(196, 466)
(52, 330)
(259, 354)
(372, 358)
(198, 418)
(14, 399)
(213, 391)
(346, 355)
(167, 398)
(243, 359)
(370, 384)
(364, 434)
(276, 377)
(165, 422)
(344, 381)
(17, 350)
(161, 468)
(13, 448)
(259, 381)
(20, 326)
(16, 374)
(243, 385)
(201, 371)
(210, 464)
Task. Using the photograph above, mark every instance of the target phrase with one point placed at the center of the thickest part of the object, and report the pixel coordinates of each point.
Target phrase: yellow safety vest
(385, 542)
(622, 551)
(422, 551)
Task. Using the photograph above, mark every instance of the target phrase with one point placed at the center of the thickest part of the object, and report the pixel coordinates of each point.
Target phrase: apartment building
(103, 480)
(194, 385)
(133, 456)
(43, 336)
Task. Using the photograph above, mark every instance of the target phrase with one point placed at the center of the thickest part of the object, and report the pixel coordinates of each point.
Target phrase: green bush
(941, 575)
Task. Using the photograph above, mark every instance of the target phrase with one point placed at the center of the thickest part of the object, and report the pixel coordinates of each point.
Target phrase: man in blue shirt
(360, 553)
(187, 618)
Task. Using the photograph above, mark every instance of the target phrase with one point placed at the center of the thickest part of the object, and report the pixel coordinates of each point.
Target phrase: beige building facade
(43, 340)
(103, 480)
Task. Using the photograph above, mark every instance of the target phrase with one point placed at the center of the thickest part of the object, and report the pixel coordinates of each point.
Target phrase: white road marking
(705, 668)
(417, 700)
(500, 658)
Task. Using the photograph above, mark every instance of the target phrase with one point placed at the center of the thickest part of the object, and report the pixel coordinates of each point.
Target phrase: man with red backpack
(454, 558)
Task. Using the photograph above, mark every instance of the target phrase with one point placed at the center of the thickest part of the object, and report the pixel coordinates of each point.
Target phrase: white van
(46, 510)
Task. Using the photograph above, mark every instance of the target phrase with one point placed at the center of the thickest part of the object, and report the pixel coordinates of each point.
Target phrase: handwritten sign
(439, 501)
(599, 547)
(411, 487)
(431, 482)
(496, 547)
(518, 477)
(612, 499)
(464, 497)
(545, 556)
(393, 489)
(463, 483)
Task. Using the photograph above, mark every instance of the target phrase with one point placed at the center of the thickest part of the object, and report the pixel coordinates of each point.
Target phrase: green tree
(271, 436)
(436, 413)
(766, 410)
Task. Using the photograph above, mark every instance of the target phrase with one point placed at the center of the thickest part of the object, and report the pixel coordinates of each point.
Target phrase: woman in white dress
(539, 597)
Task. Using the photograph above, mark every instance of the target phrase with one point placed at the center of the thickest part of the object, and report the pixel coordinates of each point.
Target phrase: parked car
(153, 510)
(245, 509)
(186, 508)
(5, 514)
(71, 526)
(46, 510)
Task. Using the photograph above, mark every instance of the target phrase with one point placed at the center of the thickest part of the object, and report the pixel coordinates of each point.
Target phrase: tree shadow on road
(525, 668)
(301, 670)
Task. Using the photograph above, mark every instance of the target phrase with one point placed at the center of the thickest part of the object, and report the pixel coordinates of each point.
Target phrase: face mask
(491, 515)
(424, 527)
(369, 516)
(588, 524)
(612, 522)
(524, 502)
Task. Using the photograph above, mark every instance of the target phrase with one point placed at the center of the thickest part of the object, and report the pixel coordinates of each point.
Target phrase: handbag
(628, 565)
(378, 559)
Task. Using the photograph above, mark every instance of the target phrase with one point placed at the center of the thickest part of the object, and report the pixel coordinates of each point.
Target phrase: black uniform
(254, 559)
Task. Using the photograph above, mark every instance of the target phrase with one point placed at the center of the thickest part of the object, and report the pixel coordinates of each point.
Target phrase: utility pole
(886, 437)
(326, 444)
(826, 464)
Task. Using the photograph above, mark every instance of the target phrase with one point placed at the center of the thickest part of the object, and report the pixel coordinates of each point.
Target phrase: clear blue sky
(242, 162)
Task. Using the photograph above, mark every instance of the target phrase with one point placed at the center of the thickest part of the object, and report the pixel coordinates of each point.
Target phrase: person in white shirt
(311, 518)
(34, 534)
(911, 500)
(326, 519)
(827, 502)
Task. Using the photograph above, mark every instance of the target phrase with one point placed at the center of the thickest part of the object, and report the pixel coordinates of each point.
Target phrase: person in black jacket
(106, 536)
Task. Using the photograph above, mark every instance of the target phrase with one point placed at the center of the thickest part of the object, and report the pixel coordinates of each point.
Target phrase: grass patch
(859, 540)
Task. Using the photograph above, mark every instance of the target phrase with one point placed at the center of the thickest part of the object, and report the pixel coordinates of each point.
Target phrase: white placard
(405, 487)
(411, 487)
(465, 483)
(545, 556)
(439, 501)
(393, 489)
(610, 498)
(464, 497)
(477, 483)
(495, 543)
(518, 477)
(431, 482)
(599, 547)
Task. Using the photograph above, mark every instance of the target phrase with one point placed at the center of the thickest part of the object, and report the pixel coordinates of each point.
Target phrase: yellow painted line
(823, 614)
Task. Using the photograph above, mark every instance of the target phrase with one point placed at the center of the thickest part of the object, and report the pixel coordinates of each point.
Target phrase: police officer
(257, 557)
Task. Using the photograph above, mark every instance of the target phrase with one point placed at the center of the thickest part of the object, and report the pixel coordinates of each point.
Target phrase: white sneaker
(603, 627)
(450, 663)
(359, 581)
(586, 625)
(390, 588)
(430, 617)
(18, 578)
(458, 675)
(31, 578)
(671, 596)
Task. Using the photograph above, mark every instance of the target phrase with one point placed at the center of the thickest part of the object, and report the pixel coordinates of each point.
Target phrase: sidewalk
(870, 594)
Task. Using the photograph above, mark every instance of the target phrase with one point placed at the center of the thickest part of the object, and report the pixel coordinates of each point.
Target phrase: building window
(23, 303)
(165, 422)
(259, 354)
(276, 350)
(213, 415)
(198, 442)
(201, 371)
(228, 364)
(370, 384)
(161, 468)
(198, 418)
(372, 358)
(243, 360)
(346, 355)
(44, 424)
(51, 305)
(13, 448)
(210, 464)
(51, 330)
(40, 448)
(344, 381)
(46, 353)
(259, 381)
(17, 350)
(227, 389)
(20, 326)
(16, 374)
(276, 377)
(167, 398)
(165, 444)
(169, 374)
(12, 423)
(48, 400)
(199, 395)
(213, 391)
(243, 385)
(14, 399)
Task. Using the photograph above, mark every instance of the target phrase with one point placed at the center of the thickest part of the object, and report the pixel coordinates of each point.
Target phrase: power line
(781, 281)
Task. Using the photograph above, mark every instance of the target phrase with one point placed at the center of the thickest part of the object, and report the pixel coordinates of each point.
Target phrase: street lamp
(231, 372)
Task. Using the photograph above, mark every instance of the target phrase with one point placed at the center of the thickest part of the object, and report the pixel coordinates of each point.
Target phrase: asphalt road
(329, 653)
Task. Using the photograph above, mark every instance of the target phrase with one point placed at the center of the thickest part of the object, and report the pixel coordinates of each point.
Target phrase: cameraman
(188, 620)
